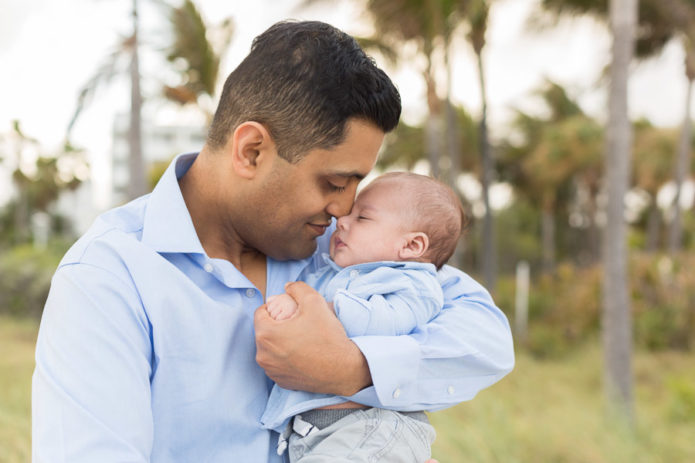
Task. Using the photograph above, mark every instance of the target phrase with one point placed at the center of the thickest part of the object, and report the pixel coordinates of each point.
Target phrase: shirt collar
(168, 226)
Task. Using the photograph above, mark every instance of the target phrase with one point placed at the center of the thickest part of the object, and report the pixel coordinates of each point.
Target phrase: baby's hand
(281, 307)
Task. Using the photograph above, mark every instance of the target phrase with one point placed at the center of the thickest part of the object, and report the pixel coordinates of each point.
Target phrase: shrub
(565, 308)
(663, 301)
(25, 278)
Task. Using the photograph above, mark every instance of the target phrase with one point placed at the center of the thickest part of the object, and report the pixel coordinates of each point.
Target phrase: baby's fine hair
(436, 211)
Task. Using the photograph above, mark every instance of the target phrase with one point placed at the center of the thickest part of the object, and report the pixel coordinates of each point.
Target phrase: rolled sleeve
(390, 360)
(464, 349)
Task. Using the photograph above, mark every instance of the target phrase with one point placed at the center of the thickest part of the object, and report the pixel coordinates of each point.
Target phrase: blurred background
(582, 207)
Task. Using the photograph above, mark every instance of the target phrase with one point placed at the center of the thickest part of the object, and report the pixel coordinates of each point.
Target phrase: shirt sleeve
(388, 302)
(464, 349)
(91, 389)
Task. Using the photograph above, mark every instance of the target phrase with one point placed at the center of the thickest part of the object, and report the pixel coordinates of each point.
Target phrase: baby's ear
(414, 246)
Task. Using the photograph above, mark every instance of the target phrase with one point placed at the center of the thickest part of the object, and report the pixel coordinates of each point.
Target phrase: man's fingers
(261, 314)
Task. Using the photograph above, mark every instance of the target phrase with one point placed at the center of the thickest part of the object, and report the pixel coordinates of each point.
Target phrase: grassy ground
(544, 411)
(553, 411)
(17, 340)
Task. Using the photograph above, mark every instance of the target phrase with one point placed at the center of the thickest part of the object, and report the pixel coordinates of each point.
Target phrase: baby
(381, 280)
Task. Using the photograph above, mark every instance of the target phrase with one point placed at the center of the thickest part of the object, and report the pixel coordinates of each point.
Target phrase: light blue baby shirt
(371, 299)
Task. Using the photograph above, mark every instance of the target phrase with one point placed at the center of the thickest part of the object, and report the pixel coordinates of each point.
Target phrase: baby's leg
(368, 435)
(281, 307)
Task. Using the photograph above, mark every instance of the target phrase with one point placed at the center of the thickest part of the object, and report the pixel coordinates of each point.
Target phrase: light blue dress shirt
(371, 299)
(146, 349)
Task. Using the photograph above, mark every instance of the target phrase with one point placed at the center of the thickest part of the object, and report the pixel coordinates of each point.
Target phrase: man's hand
(309, 351)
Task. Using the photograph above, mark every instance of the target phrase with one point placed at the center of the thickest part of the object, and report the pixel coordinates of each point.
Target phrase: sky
(49, 49)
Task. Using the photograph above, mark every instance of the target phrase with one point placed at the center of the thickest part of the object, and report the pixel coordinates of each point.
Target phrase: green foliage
(194, 53)
(653, 154)
(565, 308)
(25, 278)
(155, 172)
(657, 23)
(37, 184)
(517, 231)
(663, 297)
(682, 399)
(404, 147)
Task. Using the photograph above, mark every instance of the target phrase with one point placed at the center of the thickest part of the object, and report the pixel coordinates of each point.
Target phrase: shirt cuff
(393, 363)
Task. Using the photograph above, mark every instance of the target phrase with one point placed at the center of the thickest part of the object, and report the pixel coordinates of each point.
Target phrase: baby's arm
(388, 302)
(281, 306)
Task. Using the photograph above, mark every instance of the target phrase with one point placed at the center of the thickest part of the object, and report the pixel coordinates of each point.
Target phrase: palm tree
(477, 17)
(557, 156)
(660, 21)
(111, 67)
(200, 48)
(136, 164)
(191, 45)
(37, 188)
(424, 22)
(617, 321)
(681, 15)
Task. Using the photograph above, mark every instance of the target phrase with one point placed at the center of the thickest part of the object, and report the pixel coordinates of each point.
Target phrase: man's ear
(251, 145)
(414, 246)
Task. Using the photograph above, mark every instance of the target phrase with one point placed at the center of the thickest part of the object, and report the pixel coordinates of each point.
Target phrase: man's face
(295, 202)
(375, 228)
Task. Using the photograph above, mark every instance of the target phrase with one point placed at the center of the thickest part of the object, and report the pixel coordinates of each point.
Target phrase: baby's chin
(340, 260)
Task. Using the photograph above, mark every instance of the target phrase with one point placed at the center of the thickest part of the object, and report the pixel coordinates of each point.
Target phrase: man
(155, 344)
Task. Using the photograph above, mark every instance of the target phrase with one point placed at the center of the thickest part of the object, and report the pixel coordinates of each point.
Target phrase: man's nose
(341, 204)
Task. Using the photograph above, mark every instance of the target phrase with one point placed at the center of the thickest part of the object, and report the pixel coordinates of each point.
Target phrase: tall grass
(553, 411)
(544, 411)
(17, 340)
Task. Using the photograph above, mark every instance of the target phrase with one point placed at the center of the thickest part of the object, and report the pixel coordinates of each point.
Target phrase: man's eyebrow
(354, 174)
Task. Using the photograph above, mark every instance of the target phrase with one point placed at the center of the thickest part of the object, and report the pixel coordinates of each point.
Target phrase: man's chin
(296, 253)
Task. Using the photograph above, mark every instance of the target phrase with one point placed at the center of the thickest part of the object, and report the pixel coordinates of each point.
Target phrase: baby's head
(400, 216)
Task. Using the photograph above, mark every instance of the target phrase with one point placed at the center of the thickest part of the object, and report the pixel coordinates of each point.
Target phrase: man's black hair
(303, 81)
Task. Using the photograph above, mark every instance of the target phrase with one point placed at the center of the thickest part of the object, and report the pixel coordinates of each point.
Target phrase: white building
(160, 143)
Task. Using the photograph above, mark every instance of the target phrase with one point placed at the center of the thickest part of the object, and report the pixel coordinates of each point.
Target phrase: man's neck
(212, 218)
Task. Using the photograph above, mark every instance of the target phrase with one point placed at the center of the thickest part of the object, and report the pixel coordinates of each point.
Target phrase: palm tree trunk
(433, 125)
(617, 320)
(548, 239)
(675, 236)
(489, 257)
(653, 223)
(136, 165)
(593, 234)
(453, 148)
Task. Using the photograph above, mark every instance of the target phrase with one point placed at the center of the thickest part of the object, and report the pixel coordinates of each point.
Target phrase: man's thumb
(298, 290)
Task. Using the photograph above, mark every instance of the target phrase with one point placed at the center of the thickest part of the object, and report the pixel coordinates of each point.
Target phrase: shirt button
(450, 390)
(208, 267)
(354, 273)
(396, 393)
(250, 292)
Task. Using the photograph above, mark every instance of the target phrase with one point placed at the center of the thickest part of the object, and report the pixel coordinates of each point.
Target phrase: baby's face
(375, 228)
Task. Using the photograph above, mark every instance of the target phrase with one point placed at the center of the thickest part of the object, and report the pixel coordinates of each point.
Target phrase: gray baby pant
(360, 435)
